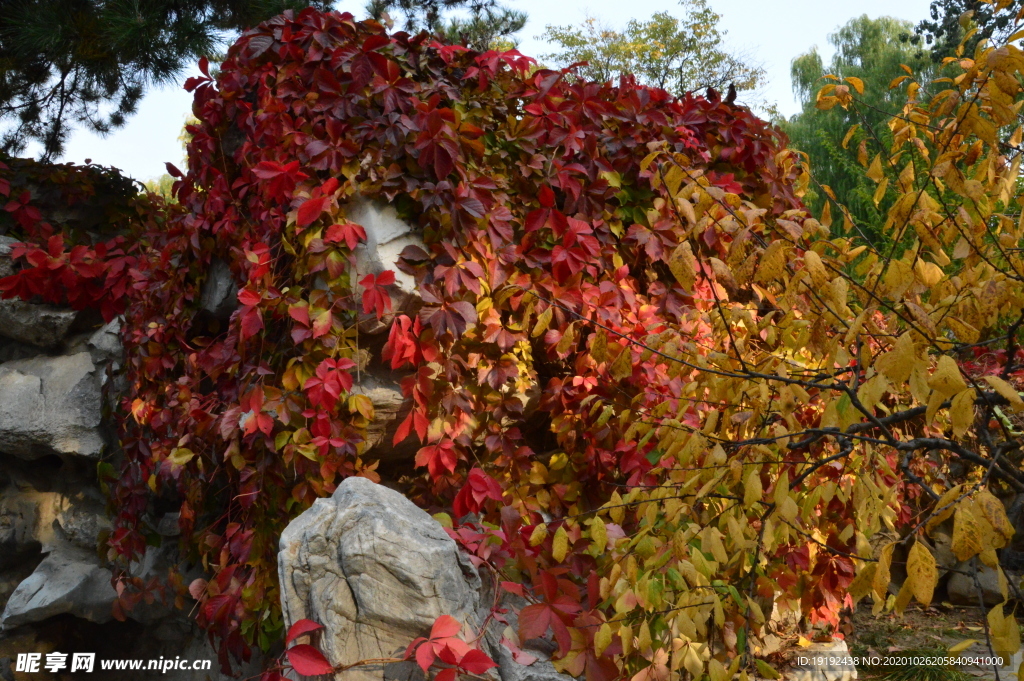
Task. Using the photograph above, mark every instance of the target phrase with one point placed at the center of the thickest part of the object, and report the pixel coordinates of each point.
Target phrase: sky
(769, 32)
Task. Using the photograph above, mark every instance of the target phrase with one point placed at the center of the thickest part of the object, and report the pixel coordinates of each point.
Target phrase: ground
(919, 632)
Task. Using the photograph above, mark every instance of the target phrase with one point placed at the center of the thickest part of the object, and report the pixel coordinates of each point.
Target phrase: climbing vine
(648, 389)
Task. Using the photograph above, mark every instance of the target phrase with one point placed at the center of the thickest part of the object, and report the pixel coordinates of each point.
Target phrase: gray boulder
(387, 235)
(67, 581)
(6, 267)
(376, 571)
(44, 326)
(962, 590)
(50, 405)
(219, 293)
(389, 408)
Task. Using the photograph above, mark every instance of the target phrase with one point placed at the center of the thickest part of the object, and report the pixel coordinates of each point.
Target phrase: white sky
(772, 32)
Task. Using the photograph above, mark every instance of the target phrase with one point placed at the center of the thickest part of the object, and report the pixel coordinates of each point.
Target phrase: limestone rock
(389, 408)
(219, 293)
(6, 267)
(67, 581)
(376, 571)
(105, 343)
(50, 405)
(44, 326)
(387, 236)
(961, 588)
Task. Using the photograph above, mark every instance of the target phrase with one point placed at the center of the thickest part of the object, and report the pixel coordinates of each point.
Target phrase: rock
(44, 326)
(942, 539)
(219, 293)
(823, 662)
(6, 266)
(81, 521)
(389, 408)
(387, 236)
(541, 670)
(50, 405)
(67, 581)
(19, 527)
(377, 572)
(105, 343)
(961, 588)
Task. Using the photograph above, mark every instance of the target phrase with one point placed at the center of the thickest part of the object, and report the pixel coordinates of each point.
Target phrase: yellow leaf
(875, 172)
(717, 671)
(966, 534)
(773, 262)
(542, 322)
(962, 646)
(857, 84)
(902, 598)
(1007, 391)
(961, 411)
(626, 636)
(361, 404)
(692, 661)
(684, 266)
(686, 208)
(539, 534)
(568, 340)
(895, 83)
(599, 346)
(995, 513)
(944, 507)
(946, 379)
(817, 269)
(644, 638)
(599, 534)
(181, 455)
(602, 639)
(560, 544)
(922, 573)
(880, 583)
(752, 489)
(622, 367)
(880, 191)
(849, 134)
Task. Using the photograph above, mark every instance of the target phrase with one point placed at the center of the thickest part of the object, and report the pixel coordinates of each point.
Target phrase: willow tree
(872, 51)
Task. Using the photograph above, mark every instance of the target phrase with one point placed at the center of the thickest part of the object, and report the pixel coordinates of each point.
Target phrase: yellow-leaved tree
(863, 395)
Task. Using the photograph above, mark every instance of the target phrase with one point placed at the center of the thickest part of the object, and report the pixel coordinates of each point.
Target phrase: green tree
(89, 62)
(950, 21)
(678, 54)
(487, 21)
(872, 51)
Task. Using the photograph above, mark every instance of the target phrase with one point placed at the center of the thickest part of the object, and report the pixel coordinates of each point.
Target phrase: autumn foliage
(737, 400)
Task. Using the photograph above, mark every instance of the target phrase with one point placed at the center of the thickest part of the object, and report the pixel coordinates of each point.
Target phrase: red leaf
(248, 297)
(534, 621)
(445, 626)
(308, 661)
(301, 627)
(425, 656)
(310, 211)
(546, 197)
(252, 322)
(514, 588)
(322, 323)
(446, 675)
(476, 662)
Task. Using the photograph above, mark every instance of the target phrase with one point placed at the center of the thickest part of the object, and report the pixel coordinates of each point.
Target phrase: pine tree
(487, 20)
(950, 21)
(89, 62)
